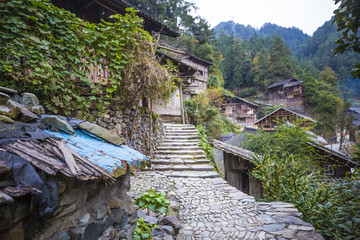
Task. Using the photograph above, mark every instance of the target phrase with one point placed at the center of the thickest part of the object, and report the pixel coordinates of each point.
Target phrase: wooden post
(181, 104)
(151, 127)
(134, 118)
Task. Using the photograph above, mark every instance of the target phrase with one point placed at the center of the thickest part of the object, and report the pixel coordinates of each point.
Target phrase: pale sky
(307, 15)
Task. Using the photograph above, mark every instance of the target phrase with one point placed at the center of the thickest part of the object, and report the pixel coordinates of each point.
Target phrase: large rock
(172, 221)
(3, 98)
(29, 100)
(5, 119)
(59, 124)
(18, 111)
(102, 133)
(11, 113)
(38, 109)
(27, 116)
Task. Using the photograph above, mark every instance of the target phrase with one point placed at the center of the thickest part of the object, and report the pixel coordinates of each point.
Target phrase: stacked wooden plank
(53, 156)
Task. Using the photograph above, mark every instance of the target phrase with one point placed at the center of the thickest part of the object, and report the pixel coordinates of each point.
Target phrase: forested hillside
(319, 49)
(293, 37)
(250, 63)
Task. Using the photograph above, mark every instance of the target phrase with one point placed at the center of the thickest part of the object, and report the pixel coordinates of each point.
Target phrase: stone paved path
(209, 207)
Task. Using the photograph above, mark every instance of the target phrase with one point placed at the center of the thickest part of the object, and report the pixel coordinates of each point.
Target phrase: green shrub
(143, 230)
(288, 173)
(48, 51)
(204, 110)
(154, 201)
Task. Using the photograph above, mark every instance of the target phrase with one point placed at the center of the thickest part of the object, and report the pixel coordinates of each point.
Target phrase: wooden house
(94, 11)
(238, 164)
(241, 111)
(288, 93)
(237, 167)
(334, 164)
(273, 119)
(193, 72)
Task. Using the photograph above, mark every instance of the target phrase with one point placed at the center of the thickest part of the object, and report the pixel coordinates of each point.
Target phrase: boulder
(3, 98)
(18, 111)
(27, 116)
(59, 124)
(6, 119)
(150, 220)
(10, 112)
(39, 109)
(173, 222)
(102, 133)
(29, 100)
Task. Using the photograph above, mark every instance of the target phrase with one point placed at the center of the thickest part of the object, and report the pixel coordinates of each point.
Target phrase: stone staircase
(180, 155)
(210, 208)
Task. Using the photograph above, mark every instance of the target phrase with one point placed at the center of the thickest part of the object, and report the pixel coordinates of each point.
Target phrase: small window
(201, 73)
(329, 170)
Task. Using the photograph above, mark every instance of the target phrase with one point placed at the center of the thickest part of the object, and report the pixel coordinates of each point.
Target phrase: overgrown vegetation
(154, 201)
(48, 51)
(288, 173)
(204, 110)
(205, 144)
(143, 230)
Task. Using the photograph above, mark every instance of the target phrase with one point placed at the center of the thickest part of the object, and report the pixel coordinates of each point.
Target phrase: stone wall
(120, 122)
(86, 210)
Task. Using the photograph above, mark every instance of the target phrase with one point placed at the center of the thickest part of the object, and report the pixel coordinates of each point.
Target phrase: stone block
(39, 109)
(101, 212)
(27, 116)
(4, 98)
(93, 231)
(5, 119)
(84, 220)
(9, 112)
(29, 100)
(102, 133)
(58, 123)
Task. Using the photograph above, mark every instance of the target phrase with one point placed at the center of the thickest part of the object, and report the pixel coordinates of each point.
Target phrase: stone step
(181, 131)
(182, 147)
(179, 144)
(180, 152)
(192, 174)
(179, 141)
(181, 134)
(181, 137)
(177, 125)
(183, 157)
(176, 167)
(179, 161)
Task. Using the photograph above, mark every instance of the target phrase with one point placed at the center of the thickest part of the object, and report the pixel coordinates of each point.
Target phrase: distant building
(241, 111)
(271, 120)
(288, 93)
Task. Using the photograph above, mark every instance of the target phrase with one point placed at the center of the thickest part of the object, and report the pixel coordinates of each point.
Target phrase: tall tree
(347, 17)
(279, 63)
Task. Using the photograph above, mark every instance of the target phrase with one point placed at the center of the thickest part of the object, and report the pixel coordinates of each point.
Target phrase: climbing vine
(48, 51)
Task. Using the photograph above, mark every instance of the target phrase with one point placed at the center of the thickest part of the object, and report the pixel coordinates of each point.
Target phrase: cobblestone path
(209, 207)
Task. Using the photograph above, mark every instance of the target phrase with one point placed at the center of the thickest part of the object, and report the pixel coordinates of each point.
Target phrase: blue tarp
(98, 151)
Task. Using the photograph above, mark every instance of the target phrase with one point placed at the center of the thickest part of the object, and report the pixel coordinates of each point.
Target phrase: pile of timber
(53, 156)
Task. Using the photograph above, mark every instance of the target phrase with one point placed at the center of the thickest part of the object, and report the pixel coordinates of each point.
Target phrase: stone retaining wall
(86, 210)
(120, 122)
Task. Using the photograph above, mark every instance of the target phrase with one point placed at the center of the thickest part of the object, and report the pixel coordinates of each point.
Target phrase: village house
(288, 93)
(193, 73)
(94, 11)
(237, 163)
(273, 119)
(241, 111)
